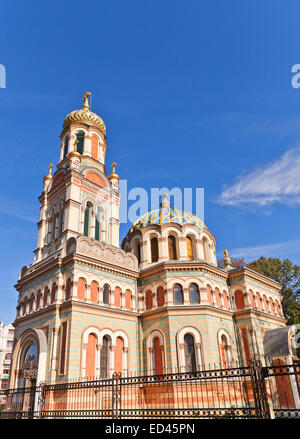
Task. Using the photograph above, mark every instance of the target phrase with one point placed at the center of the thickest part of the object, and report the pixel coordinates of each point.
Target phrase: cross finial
(113, 167)
(164, 196)
(86, 100)
(50, 168)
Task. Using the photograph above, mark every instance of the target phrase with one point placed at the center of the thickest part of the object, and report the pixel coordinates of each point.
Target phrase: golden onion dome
(86, 116)
(165, 215)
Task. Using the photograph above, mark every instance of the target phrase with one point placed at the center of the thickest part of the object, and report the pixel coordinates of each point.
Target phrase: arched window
(239, 299)
(53, 292)
(31, 302)
(154, 249)
(217, 297)
(45, 296)
(66, 146)
(189, 353)
(94, 291)
(128, 299)
(80, 138)
(225, 300)
(224, 351)
(194, 294)
(206, 250)
(178, 294)
(252, 299)
(278, 308)
(172, 248)
(81, 288)
(62, 219)
(68, 289)
(209, 294)
(24, 306)
(149, 300)
(157, 357)
(90, 367)
(272, 306)
(266, 304)
(119, 355)
(118, 296)
(189, 247)
(104, 357)
(258, 301)
(87, 215)
(106, 294)
(160, 296)
(97, 224)
(94, 147)
(38, 299)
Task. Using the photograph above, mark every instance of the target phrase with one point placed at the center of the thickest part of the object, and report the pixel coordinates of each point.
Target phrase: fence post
(259, 388)
(116, 393)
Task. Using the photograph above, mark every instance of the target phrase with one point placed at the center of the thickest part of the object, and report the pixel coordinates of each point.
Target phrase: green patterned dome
(165, 215)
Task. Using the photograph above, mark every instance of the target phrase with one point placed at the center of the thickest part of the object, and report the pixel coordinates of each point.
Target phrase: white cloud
(278, 182)
(18, 209)
(279, 250)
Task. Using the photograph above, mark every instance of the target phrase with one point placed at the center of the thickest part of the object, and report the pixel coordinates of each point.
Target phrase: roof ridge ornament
(227, 261)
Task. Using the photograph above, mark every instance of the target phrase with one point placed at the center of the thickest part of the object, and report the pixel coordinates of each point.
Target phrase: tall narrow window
(119, 355)
(106, 291)
(189, 247)
(62, 219)
(81, 288)
(94, 291)
(224, 352)
(172, 248)
(178, 294)
(80, 138)
(189, 353)
(97, 224)
(63, 348)
(154, 249)
(128, 299)
(94, 147)
(66, 146)
(194, 294)
(91, 356)
(157, 357)
(104, 357)
(87, 220)
(149, 301)
(160, 294)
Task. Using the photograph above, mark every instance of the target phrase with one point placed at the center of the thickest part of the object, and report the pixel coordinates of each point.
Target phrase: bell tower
(79, 198)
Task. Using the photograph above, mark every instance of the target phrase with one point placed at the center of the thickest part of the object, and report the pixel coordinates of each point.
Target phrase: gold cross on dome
(50, 168)
(86, 100)
(113, 167)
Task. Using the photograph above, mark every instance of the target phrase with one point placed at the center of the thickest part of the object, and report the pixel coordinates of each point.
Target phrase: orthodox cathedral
(159, 303)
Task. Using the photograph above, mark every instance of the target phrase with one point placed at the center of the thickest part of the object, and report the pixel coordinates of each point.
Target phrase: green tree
(288, 275)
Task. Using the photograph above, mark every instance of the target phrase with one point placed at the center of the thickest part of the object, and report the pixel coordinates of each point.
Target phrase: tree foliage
(288, 275)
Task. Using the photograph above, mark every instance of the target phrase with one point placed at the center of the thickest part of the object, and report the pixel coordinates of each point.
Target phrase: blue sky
(194, 94)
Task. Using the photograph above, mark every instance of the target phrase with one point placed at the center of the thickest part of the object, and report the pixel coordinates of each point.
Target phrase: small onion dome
(227, 261)
(49, 175)
(86, 116)
(113, 174)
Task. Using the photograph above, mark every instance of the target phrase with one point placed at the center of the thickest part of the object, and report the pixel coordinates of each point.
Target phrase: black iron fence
(236, 392)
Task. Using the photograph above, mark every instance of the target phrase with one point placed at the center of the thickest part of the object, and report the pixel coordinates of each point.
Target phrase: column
(182, 248)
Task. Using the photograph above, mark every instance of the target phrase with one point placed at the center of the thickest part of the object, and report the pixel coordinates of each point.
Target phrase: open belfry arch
(159, 303)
